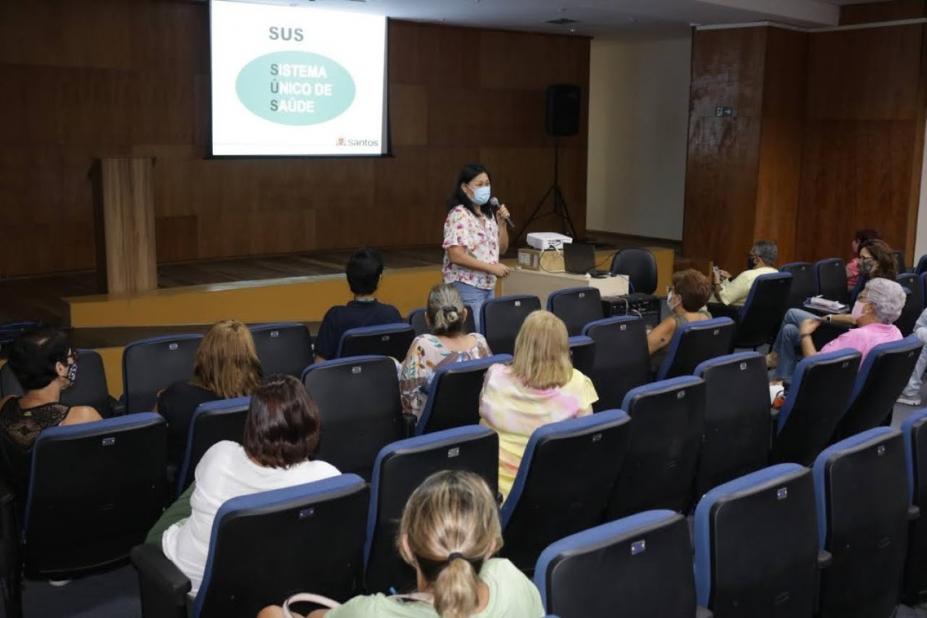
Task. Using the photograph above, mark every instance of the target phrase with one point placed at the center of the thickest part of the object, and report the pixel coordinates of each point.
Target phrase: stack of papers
(832, 306)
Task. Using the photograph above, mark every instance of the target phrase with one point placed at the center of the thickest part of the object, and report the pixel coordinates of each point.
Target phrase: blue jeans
(473, 297)
(787, 342)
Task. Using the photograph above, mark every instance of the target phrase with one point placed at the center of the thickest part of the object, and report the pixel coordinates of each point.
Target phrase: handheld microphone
(494, 202)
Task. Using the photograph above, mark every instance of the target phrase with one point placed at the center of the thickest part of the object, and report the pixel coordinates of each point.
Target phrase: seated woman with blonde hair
(226, 366)
(449, 533)
(539, 387)
(447, 343)
(686, 299)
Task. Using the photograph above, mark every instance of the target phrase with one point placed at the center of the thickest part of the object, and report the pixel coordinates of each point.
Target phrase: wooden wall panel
(130, 79)
(867, 12)
(721, 177)
(864, 127)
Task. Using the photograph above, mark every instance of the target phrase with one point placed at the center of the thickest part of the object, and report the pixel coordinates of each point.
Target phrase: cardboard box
(533, 259)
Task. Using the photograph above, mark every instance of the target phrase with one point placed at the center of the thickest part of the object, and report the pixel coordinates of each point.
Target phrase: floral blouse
(426, 355)
(479, 235)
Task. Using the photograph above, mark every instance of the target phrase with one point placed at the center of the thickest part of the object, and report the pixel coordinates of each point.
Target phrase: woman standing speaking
(474, 238)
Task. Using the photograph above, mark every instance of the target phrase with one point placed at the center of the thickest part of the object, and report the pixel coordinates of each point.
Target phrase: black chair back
(151, 365)
(695, 343)
(391, 340)
(621, 361)
(640, 266)
(668, 420)
(921, 267)
(914, 430)
(762, 313)
(804, 283)
(400, 468)
(582, 353)
(454, 395)
(913, 304)
(576, 307)
(501, 320)
(832, 279)
(212, 422)
(563, 483)
(862, 495)
(266, 546)
(736, 435)
(883, 375)
(817, 398)
(359, 405)
(900, 263)
(283, 347)
(94, 492)
(631, 563)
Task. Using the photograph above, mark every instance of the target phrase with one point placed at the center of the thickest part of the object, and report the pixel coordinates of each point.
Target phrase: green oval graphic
(295, 88)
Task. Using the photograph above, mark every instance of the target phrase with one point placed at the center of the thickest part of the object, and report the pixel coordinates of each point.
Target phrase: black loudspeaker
(562, 110)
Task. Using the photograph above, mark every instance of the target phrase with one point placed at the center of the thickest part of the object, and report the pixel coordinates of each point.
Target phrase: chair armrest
(825, 559)
(119, 406)
(701, 612)
(774, 414)
(162, 585)
(914, 512)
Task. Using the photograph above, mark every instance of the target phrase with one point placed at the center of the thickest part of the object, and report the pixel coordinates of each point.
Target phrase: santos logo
(341, 141)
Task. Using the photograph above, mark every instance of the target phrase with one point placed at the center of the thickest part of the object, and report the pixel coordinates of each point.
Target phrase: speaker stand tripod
(560, 208)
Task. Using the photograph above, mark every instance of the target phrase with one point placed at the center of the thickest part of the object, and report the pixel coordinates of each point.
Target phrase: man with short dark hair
(363, 272)
(760, 261)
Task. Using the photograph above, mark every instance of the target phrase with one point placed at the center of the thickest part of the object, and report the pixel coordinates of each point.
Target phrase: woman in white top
(281, 436)
(447, 343)
(474, 238)
(449, 533)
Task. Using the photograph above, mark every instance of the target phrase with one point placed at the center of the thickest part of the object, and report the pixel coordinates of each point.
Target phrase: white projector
(543, 241)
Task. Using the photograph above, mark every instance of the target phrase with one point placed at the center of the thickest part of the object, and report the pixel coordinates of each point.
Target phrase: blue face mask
(481, 195)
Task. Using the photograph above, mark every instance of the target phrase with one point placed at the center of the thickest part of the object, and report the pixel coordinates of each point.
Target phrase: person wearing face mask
(45, 364)
(686, 299)
(760, 261)
(474, 238)
(877, 307)
(875, 260)
(852, 268)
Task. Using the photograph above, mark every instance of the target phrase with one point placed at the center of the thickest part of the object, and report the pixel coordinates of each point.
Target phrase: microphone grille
(494, 201)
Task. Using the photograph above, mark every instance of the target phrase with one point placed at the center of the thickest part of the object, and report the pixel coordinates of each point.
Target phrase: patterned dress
(479, 235)
(426, 355)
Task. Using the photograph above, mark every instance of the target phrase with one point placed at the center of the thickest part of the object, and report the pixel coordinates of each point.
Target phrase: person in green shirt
(449, 532)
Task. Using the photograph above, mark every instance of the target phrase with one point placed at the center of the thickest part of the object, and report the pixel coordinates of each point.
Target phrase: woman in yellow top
(539, 387)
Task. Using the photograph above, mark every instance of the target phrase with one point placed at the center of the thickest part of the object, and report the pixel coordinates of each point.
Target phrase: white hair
(887, 298)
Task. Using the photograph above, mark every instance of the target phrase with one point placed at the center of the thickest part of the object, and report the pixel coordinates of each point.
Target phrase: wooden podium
(124, 225)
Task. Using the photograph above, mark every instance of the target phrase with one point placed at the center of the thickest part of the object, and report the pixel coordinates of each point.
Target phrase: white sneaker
(909, 401)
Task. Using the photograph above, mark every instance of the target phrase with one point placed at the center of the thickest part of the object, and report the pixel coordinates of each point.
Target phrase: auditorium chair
(400, 468)
(914, 430)
(863, 515)
(900, 262)
(576, 307)
(582, 353)
(640, 267)
(283, 347)
(501, 319)
(151, 365)
(90, 388)
(815, 402)
(759, 319)
(212, 422)
(881, 378)
(391, 340)
(94, 491)
(668, 420)
(804, 283)
(735, 439)
(264, 547)
(694, 343)
(9, 331)
(454, 394)
(360, 409)
(756, 545)
(563, 483)
(641, 564)
(914, 302)
(622, 360)
(921, 265)
(419, 324)
(831, 276)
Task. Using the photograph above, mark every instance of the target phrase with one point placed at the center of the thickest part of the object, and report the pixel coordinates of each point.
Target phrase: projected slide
(295, 80)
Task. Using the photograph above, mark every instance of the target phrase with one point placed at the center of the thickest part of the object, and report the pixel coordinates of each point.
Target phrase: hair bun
(450, 313)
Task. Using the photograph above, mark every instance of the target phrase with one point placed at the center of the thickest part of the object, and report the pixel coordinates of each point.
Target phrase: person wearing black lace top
(45, 364)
